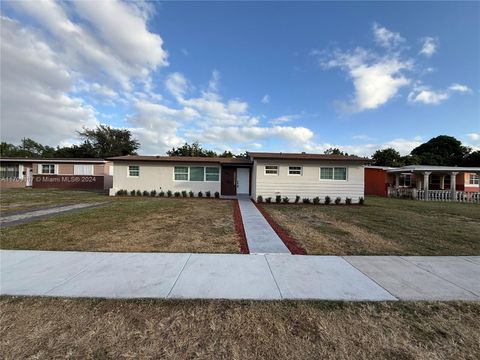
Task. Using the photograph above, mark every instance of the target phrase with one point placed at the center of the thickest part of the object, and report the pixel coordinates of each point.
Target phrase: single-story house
(61, 173)
(442, 182)
(265, 174)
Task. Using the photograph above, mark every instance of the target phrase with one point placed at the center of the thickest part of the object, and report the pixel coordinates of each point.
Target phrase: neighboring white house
(265, 174)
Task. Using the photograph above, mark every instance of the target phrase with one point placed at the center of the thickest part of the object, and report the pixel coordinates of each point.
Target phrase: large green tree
(27, 148)
(442, 150)
(105, 141)
(387, 157)
(196, 150)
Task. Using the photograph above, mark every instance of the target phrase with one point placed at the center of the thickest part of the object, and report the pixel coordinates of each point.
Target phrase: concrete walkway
(261, 238)
(222, 276)
(26, 216)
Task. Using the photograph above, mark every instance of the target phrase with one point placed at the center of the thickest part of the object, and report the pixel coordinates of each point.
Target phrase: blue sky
(273, 76)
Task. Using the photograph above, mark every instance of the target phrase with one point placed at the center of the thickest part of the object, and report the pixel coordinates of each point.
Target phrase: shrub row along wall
(327, 200)
(168, 193)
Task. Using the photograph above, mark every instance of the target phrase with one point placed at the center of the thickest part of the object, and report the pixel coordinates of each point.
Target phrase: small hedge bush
(191, 194)
(259, 198)
(297, 199)
(184, 193)
(169, 193)
(200, 194)
(348, 201)
(286, 200)
(145, 193)
(121, 193)
(268, 200)
(217, 195)
(139, 193)
(278, 199)
(132, 193)
(306, 200)
(338, 200)
(153, 193)
(208, 194)
(328, 200)
(161, 193)
(316, 200)
(361, 200)
(177, 194)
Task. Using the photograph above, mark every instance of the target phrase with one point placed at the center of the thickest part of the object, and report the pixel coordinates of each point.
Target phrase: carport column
(426, 181)
(397, 180)
(442, 182)
(453, 185)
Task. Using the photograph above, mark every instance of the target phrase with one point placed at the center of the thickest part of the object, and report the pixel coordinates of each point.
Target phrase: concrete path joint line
(273, 276)
(178, 276)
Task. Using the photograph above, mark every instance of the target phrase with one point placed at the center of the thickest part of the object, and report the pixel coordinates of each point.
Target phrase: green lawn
(48, 328)
(383, 227)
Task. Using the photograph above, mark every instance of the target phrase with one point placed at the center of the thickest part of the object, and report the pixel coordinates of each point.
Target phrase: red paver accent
(289, 241)
(237, 217)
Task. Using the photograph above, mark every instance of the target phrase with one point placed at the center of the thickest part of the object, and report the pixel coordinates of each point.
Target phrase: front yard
(382, 227)
(134, 224)
(46, 328)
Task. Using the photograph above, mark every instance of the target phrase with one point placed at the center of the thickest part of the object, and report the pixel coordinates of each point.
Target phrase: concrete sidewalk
(261, 238)
(232, 276)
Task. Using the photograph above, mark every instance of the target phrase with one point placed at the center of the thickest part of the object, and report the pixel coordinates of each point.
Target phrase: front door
(228, 181)
(243, 180)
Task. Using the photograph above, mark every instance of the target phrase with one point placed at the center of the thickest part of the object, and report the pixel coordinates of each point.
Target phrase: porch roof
(434, 169)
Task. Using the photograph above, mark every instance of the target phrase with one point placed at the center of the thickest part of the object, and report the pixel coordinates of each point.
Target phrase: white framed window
(473, 180)
(81, 169)
(47, 169)
(406, 180)
(180, 173)
(295, 170)
(133, 170)
(197, 173)
(9, 171)
(271, 169)
(333, 173)
(212, 174)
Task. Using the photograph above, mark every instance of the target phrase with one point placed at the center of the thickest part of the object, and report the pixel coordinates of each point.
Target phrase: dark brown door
(228, 185)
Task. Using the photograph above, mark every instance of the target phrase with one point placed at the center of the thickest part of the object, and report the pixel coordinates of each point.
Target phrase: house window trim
(297, 166)
(92, 167)
(471, 182)
(204, 174)
(20, 170)
(267, 174)
(188, 173)
(133, 176)
(213, 167)
(333, 174)
(40, 169)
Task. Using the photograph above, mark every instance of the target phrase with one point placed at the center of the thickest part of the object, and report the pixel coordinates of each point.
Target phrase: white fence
(435, 195)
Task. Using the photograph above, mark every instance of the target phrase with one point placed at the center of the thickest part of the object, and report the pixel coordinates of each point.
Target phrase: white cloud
(265, 99)
(284, 119)
(376, 79)
(429, 46)
(177, 84)
(423, 94)
(474, 136)
(385, 37)
(361, 137)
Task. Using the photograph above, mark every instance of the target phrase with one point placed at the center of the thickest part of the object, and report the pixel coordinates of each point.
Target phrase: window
(134, 170)
(473, 179)
(197, 173)
(79, 169)
(212, 174)
(271, 170)
(9, 171)
(333, 173)
(181, 173)
(47, 169)
(406, 180)
(294, 170)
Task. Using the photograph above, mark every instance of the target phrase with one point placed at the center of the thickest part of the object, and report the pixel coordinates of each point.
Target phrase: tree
(106, 141)
(442, 150)
(334, 151)
(194, 150)
(27, 148)
(473, 159)
(387, 157)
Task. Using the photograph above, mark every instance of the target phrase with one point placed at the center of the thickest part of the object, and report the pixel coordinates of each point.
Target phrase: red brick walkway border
(237, 218)
(289, 241)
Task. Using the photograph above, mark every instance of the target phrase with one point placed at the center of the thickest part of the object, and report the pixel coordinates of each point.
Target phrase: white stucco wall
(159, 176)
(307, 185)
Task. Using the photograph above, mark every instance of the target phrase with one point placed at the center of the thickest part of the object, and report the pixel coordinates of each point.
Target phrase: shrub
(328, 200)
(306, 200)
(348, 201)
(200, 194)
(145, 193)
(119, 193)
(153, 193)
(161, 193)
(132, 192)
(191, 194)
(268, 200)
(278, 199)
(361, 200)
(208, 194)
(297, 199)
(338, 200)
(259, 199)
(286, 200)
(177, 194)
(316, 200)
(139, 193)
(217, 195)
(184, 193)
(169, 193)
